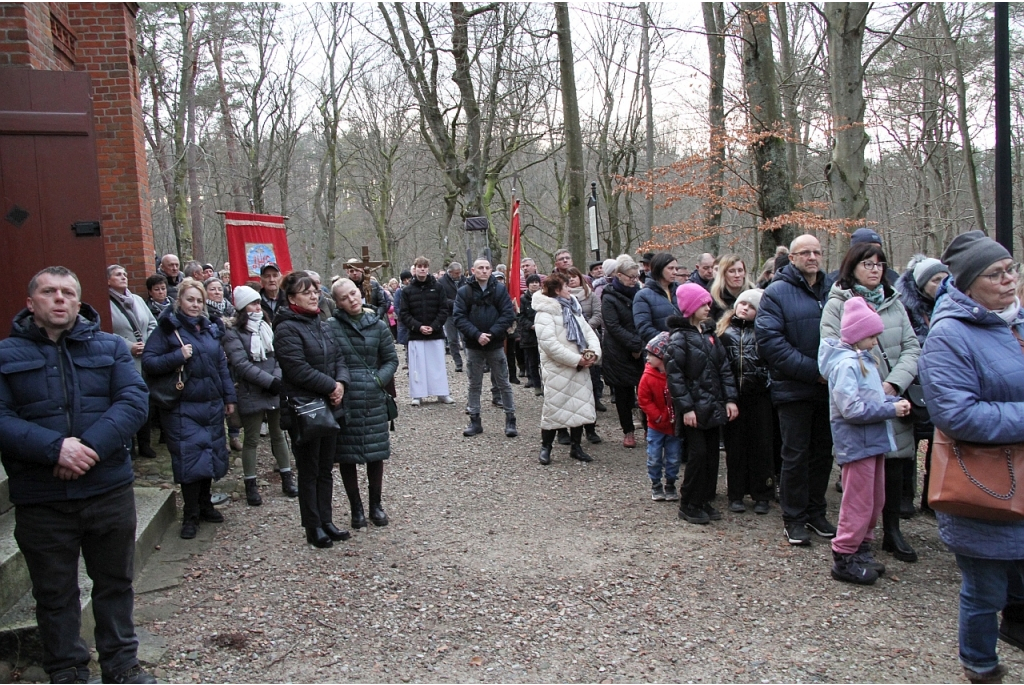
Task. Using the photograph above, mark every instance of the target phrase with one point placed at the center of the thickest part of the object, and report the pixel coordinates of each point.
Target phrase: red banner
(515, 250)
(255, 240)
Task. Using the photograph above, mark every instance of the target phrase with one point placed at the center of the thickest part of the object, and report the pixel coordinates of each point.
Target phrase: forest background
(721, 127)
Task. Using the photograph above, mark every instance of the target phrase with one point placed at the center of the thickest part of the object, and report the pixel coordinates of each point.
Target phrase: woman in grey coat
(368, 348)
(249, 346)
(862, 275)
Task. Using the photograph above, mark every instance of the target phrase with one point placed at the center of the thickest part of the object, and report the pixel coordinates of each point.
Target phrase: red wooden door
(49, 183)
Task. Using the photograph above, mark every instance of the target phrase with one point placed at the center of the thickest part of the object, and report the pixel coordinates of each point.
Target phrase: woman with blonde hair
(194, 428)
(730, 280)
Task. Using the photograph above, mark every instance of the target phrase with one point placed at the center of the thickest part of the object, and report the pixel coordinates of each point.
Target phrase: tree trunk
(714, 28)
(648, 109)
(961, 117)
(774, 192)
(576, 185)
(789, 91)
(846, 172)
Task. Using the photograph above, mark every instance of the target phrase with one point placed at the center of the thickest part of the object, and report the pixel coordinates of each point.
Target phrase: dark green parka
(364, 433)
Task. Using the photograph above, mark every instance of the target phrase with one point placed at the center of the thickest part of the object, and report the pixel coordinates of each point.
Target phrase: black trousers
(532, 357)
(315, 462)
(625, 399)
(700, 478)
(894, 469)
(512, 355)
(597, 381)
(806, 459)
(52, 536)
(375, 483)
(547, 437)
(749, 441)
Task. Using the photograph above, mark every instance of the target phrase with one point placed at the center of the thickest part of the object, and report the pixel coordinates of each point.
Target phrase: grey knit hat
(927, 268)
(751, 297)
(971, 253)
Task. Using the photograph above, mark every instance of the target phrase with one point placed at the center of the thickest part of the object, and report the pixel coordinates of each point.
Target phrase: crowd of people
(789, 370)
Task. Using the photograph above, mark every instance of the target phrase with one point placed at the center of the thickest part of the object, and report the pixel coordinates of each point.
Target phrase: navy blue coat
(85, 386)
(651, 308)
(194, 430)
(788, 327)
(972, 370)
(478, 312)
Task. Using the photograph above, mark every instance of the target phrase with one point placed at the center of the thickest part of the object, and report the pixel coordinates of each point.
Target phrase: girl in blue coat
(194, 429)
(860, 412)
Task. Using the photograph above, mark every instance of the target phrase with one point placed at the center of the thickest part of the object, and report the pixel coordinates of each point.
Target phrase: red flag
(515, 273)
(255, 240)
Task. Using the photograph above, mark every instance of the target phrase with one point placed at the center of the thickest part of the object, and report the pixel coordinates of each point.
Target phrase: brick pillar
(25, 38)
(106, 50)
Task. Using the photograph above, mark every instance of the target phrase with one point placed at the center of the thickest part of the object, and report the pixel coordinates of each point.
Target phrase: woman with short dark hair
(311, 367)
(862, 274)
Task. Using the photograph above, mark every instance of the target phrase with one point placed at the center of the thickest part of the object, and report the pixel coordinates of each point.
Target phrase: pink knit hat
(690, 297)
(859, 321)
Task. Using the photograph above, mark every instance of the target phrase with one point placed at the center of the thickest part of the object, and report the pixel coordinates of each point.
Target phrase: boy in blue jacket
(859, 415)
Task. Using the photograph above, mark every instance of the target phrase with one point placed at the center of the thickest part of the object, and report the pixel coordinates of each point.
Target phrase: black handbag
(311, 419)
(165, 390)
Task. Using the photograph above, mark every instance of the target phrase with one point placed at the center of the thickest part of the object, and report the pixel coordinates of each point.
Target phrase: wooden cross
(366, 265)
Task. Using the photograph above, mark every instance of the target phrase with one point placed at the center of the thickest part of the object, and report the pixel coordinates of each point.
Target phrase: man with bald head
(704, 271)
(788, 323)
(170, 268)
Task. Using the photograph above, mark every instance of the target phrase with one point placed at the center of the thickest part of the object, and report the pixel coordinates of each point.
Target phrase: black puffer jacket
(699, 376)
(310, 360)
(621, 338)
(253, 379)
(788, 333)
(527, 314)
(451, 288)
(424, 304)
(748, 368)
(478, 311)
(369, 351)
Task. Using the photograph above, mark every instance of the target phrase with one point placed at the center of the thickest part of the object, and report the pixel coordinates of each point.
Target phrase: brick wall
(98, 38)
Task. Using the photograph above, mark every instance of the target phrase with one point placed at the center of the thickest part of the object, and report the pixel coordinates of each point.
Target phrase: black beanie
(971, 253)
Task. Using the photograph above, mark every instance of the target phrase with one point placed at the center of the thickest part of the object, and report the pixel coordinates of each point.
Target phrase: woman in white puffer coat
(568, 348)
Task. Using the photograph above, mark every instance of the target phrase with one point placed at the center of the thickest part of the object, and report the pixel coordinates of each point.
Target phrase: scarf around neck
(219, 307)
(874, 297)
(573, 332)
(629, 291)
(261, 342)
(1009, 315)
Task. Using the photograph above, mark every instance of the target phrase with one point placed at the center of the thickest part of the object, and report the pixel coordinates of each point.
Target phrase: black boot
(375, 481)
(288, 486)
(334, 533)
(892, 540)
(350, 479)
(576, 452)
(563, 437)
(547, 438)
(592, 437)
(252, 493)
(474, 427)
(510, 426)
(1011, 628)
(207, 511)
(317, 537)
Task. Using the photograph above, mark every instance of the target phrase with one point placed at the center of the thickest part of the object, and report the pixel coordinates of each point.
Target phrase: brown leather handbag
(977, 481)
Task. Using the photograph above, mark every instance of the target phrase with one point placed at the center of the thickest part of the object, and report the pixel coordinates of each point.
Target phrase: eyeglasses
(873, 266)
(807, 253)
(997, 276)
(630, 277)
(310, 292)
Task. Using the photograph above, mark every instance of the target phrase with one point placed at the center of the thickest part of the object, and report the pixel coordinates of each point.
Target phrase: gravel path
(497, 569)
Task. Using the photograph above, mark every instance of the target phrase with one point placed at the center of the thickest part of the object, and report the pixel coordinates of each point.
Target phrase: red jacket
(652, 396)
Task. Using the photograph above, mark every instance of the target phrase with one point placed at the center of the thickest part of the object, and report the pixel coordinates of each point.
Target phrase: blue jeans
(988, 585)
(663, 452)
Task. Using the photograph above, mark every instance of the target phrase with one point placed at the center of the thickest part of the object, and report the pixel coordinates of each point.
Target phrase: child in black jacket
(704, 393)
(749, 439)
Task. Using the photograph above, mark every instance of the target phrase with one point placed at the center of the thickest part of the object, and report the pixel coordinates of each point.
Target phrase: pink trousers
(863, 497)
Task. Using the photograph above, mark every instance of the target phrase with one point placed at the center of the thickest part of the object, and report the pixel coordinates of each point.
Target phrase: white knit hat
(243, 296)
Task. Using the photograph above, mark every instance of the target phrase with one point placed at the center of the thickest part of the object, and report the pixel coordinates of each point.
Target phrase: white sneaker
(415, 402)
(445, 399)
(264, 430)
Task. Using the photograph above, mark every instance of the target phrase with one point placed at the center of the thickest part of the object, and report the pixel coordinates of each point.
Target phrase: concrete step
(155, 509)
(5, 491)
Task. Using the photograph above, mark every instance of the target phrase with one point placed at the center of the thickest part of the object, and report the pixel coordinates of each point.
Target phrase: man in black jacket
(423, 312)
(704, 271)
(450, 283)
(272, 298)
(484, 312)
(788, 324)
(70, 401)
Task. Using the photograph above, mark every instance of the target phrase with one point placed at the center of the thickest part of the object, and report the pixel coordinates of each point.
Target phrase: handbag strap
(129, 317)
(1020, 340)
